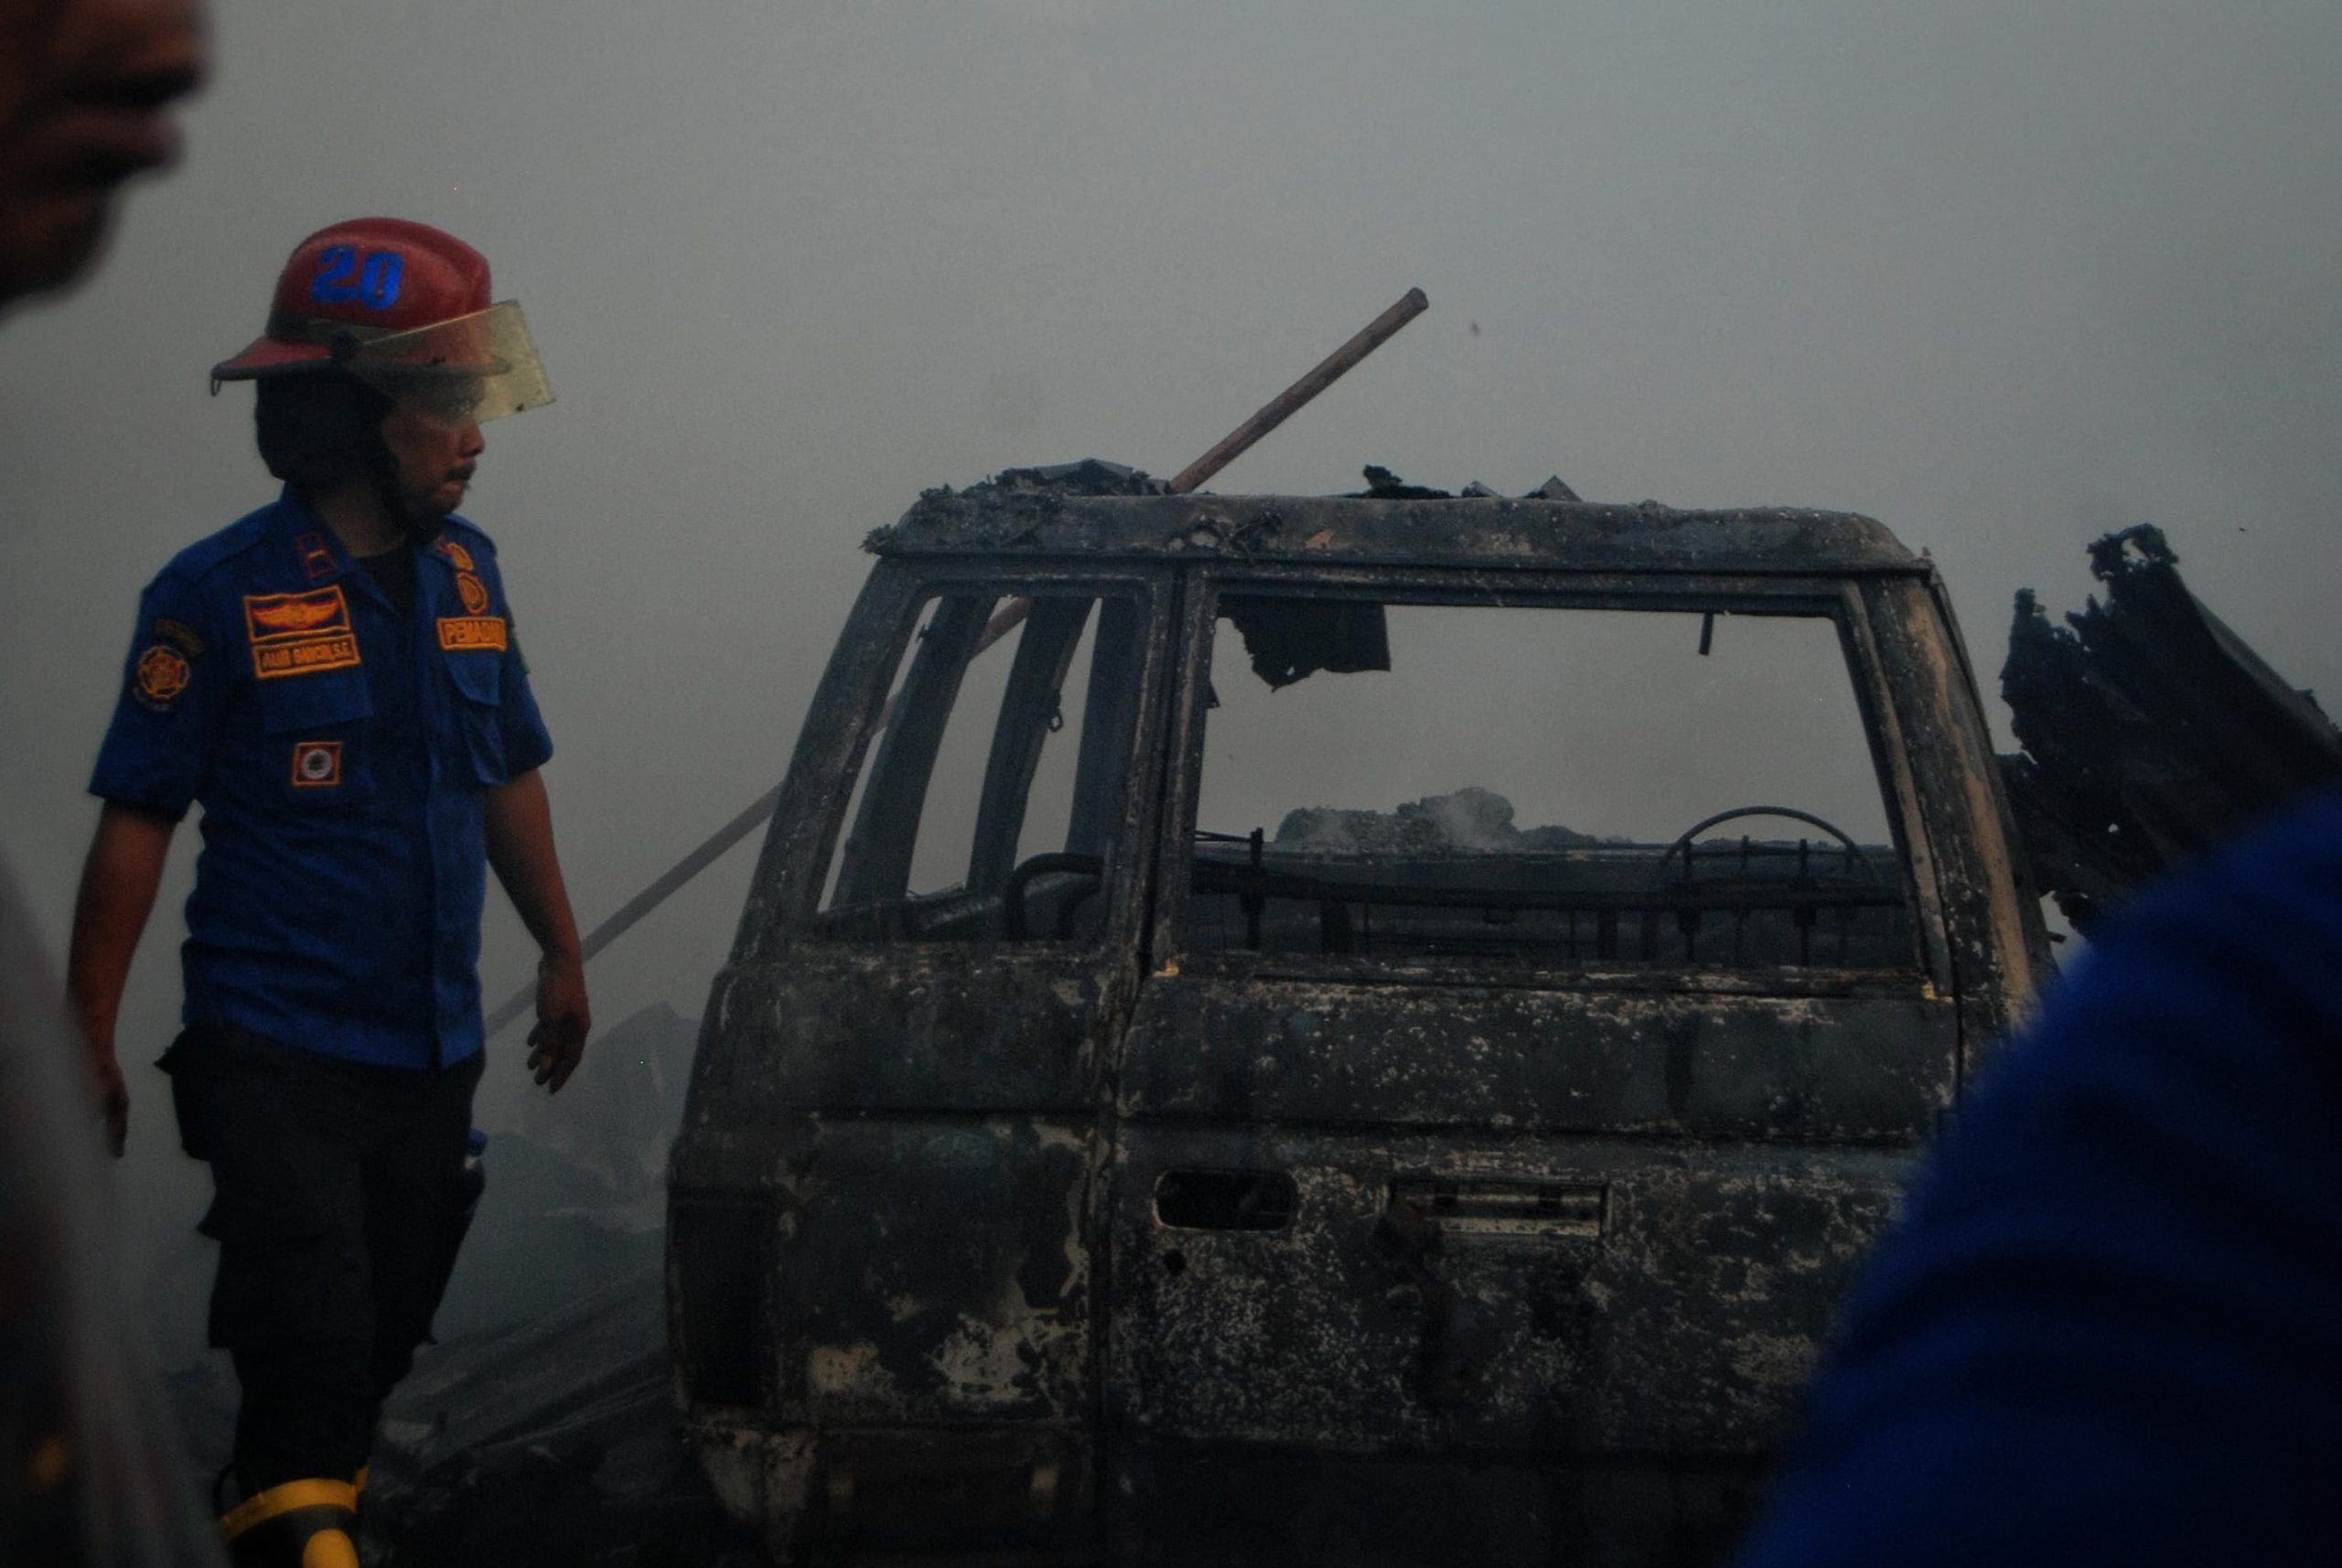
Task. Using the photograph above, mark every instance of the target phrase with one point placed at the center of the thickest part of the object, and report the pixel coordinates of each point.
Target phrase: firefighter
(334, 677)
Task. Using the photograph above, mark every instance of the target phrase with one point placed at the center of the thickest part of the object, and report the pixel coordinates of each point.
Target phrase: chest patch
(299, 634)
(455, 552)
(474, 592)
(459, 634)
(317, 764)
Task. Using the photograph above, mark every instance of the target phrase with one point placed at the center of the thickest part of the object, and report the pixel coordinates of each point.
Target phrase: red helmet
(390, 301)
(370, 276)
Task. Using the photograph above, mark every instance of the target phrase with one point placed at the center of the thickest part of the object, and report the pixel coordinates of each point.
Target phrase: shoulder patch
(454, 553)
(161, 673)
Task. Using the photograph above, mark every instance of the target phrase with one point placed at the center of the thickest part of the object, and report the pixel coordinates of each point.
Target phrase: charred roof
(1047, 512)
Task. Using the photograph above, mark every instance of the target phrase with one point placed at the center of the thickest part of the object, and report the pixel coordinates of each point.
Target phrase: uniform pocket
(317, 728)
(478, 680)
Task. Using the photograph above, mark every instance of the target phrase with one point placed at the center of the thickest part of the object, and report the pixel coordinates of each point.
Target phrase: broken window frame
(843, 733)
(1838, 599)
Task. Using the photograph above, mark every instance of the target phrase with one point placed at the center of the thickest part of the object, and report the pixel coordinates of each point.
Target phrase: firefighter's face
(85, 89)
(435, 459)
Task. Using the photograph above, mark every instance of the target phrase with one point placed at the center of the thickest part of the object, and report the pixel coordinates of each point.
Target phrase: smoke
(1981, 270)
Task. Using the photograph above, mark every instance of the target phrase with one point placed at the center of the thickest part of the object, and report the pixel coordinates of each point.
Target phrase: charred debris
(2150, 731)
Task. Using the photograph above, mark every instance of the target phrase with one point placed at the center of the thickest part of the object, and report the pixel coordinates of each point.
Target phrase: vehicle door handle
(1542, 1207)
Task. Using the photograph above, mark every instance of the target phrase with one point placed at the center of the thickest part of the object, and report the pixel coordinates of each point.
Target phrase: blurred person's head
(85, 88)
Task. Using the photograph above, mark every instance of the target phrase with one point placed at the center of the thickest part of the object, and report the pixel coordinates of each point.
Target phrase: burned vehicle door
(878, 1203)
(1547, 991)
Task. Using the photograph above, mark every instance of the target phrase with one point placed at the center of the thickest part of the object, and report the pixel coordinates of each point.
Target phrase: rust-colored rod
(1282, 407)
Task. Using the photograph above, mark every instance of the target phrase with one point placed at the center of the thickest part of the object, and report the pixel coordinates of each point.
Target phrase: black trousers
(339, 1195)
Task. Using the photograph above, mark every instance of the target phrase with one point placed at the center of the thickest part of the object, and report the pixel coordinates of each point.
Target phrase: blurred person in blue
(334, 679)
(2109, 1328)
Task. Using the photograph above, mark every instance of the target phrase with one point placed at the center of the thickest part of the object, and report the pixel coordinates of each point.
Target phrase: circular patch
(317, 763)
(457, 553)
(163, 673)
(474, 591)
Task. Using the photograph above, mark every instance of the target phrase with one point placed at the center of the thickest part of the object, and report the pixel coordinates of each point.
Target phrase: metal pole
(1280, 408)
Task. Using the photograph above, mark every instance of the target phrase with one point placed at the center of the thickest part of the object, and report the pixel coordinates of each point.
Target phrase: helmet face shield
(466, 371)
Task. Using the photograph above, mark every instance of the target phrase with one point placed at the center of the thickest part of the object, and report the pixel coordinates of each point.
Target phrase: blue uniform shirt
(2110, 1327)
(340, 751)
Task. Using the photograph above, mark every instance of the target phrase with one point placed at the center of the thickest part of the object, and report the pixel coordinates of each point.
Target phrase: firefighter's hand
(112, 1096)
(558, 1041)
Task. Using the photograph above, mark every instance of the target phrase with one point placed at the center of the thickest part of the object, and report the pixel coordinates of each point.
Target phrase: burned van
(1275, 1030)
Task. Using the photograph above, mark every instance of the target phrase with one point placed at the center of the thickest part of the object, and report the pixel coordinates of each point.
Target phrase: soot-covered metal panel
(935, 1272)
(952, 1028)
(1853, 1069)
(1528, 533)
(1679, 1321)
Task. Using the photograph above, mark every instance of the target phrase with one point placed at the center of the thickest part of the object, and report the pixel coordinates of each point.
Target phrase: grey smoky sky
(2002, 275)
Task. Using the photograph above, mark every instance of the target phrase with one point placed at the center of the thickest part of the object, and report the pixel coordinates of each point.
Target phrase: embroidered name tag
(299, 634)
(460, 633)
